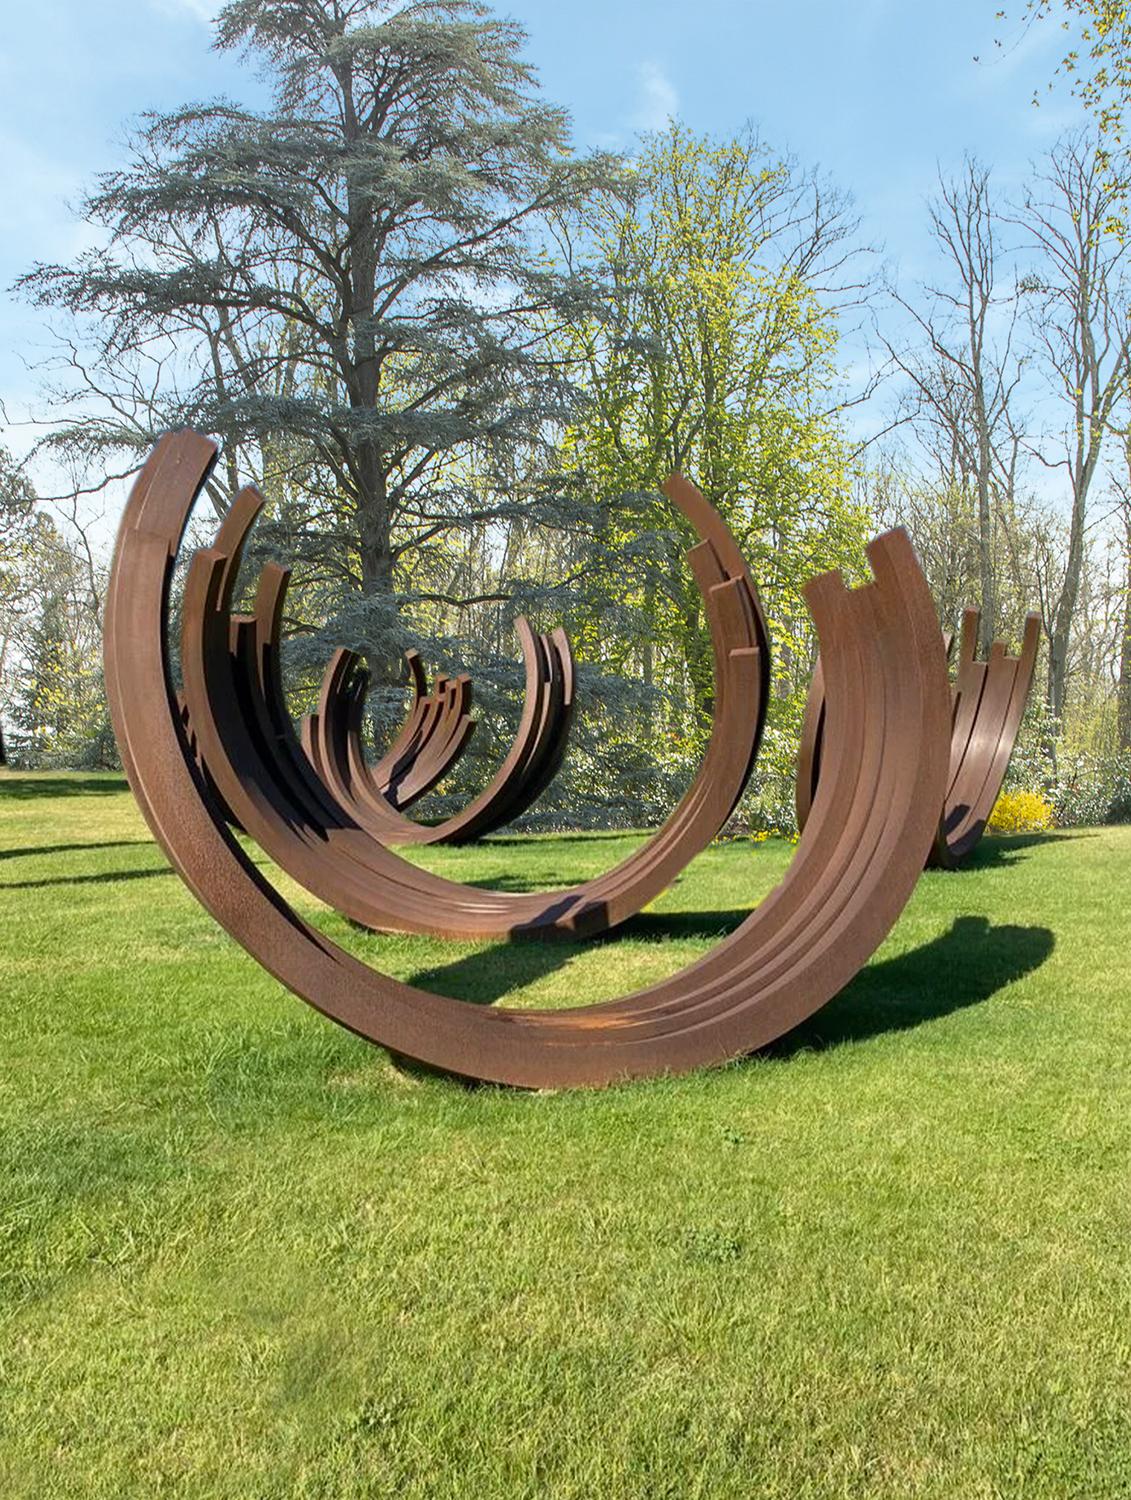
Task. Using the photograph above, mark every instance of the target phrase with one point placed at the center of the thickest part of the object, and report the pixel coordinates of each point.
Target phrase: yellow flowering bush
(1021, 812)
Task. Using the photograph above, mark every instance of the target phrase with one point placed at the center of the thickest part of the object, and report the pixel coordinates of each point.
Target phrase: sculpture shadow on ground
(1005, 849)
(896, 994)
(519, 883)
(976, 957)
(104, 877)
(12, 784)
(660, 925)
(487, 975)
(32, 851)
(581, 837)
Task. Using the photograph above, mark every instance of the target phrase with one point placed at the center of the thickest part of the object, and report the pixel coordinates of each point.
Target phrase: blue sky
(880, 93)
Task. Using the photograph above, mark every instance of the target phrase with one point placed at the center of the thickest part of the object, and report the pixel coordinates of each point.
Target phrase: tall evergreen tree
(352, 287)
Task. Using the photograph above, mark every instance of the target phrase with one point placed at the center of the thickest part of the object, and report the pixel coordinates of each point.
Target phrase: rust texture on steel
(884, 771)
(332, 740)
(281, 797)
(988, 700)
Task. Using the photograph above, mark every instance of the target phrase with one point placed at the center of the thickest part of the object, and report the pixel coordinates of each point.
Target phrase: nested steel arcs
(988, 700)
(884, 773)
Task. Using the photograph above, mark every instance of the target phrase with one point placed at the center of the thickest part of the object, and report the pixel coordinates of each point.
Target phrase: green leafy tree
(719, 361)
(1097, 58)
(54, 665)
(17, 547)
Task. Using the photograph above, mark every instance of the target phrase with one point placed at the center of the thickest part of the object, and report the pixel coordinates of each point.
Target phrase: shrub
(1021, 812)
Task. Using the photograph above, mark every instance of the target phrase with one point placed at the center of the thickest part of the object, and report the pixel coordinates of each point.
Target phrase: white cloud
(656, 98)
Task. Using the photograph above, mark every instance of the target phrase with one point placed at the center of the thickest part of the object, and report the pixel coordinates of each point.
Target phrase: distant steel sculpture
(331, 738)
(988, 702)
(233, 692)
(432, 739)
(883, 778)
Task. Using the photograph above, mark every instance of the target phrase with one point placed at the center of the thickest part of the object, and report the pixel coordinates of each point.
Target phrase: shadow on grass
(659, 925)
(968, 964)
(581, 836)
(1006, 848)
(482, 978)
(106, 877)
(14, 785)
(28, 851)
(519, 884)
(963, 967)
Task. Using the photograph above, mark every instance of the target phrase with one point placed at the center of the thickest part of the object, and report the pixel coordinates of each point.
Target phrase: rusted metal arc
(207, 573)
(454, 728)
(988, 702)
(1001, 687)
(856, 863)
(387, 767)
(441, 733)
(809, 750)
(440, 727)
(812, 736)
(345, 866)
(429, 743)
(542, 737)
(213, 790)
(445, 745)
(527, 769)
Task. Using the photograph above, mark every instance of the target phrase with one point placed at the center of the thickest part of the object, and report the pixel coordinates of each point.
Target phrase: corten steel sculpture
(988, 701)
(884, 774)
(430, 742)
(235, 701)
(331, 738)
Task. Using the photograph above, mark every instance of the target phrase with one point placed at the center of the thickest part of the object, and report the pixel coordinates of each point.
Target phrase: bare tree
(1122, 486)
(965, 368)
(1123, 715)
(1079, 316)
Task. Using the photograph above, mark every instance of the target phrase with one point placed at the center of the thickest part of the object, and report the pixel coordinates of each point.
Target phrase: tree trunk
(986, 578)
(375, 556)
(984, 450)
(1124, 696)
(1060, 635)
(648, 664)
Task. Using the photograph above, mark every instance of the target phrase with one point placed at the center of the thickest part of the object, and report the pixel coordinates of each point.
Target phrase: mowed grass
(245, 1254)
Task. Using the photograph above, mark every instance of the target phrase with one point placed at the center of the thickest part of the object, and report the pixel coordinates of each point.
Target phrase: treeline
(459, 357)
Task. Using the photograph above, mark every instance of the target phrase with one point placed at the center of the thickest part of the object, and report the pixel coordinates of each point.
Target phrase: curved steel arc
(885, 771)
(342, 863)
(438, 725)
(524, 774)
(988, 702)
(432, 739)
(812, 736)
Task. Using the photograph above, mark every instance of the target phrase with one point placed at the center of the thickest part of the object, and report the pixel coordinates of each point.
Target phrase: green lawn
(244, 1254)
